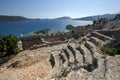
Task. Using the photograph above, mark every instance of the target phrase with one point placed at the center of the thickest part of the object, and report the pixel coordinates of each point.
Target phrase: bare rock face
(117, 17)
(114, 66)
(81, 74)
(114, 24)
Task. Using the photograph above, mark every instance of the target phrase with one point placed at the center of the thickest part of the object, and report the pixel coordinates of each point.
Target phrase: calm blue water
(26, 27)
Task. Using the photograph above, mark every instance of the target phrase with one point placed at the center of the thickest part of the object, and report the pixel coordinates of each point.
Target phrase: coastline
(34, 25)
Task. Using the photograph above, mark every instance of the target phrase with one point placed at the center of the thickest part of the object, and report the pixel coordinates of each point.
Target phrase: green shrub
(69, 27)
(9, 44)
(109, 50)
(72, 40)
(77, 47)
(84, 40)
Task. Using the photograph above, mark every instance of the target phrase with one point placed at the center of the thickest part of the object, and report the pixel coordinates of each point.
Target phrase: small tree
(69, 27)
(109, 50)
(94, 22)
(9, 44)
(2, 45)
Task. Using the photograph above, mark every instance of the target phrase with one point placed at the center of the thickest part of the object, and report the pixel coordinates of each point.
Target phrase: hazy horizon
(58, 8)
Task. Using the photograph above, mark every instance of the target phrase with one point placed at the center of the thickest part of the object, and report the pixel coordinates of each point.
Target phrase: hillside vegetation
(8, 45)
(12, 18)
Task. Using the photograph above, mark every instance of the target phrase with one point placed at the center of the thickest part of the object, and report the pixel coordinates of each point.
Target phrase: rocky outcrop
(113, 24)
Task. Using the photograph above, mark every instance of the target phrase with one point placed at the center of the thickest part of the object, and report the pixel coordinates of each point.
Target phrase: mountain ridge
(96, 17)
(6, 18)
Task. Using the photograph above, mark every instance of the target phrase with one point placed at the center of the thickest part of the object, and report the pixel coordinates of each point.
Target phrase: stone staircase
(87, 53)
(101, 36)
(84, 61)
(98, 41)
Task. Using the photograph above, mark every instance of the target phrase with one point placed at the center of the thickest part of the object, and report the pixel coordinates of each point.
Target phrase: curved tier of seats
(87, 56)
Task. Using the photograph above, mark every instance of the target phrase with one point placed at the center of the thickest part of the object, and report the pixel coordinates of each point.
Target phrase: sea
(23, 28)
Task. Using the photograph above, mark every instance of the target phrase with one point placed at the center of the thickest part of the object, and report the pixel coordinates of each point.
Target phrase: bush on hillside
(109, 50)
(69, 27)
(9, 45)
(84, 40)
(72, 40)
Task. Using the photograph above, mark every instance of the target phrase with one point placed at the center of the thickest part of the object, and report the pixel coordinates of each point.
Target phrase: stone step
(94, 41)
(57, 60)
(67, 54)
(93, 54)
(58, 64)
(96, 48)
(98, 74)
(71, 55)
(87, 54)
(101, 36)
(71, 47)
(90, 48)
(81, 51)
(99, 41)
(65, 64)
(72, 50)
(109, 33)
(79, 57)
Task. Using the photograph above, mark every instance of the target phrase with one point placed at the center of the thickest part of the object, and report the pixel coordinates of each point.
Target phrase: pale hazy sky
(58, 8)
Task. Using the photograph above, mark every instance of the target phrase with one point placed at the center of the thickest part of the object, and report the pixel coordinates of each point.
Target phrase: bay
(27, 27)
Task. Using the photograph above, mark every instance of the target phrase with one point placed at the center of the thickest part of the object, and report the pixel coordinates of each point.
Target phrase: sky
(58, 8)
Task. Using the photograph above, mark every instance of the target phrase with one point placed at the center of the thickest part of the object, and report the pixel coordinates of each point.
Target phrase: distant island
(96, 17)
(63, 18)
(4, 18)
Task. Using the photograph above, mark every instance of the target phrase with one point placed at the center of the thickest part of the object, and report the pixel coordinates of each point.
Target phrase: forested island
(4, 18)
